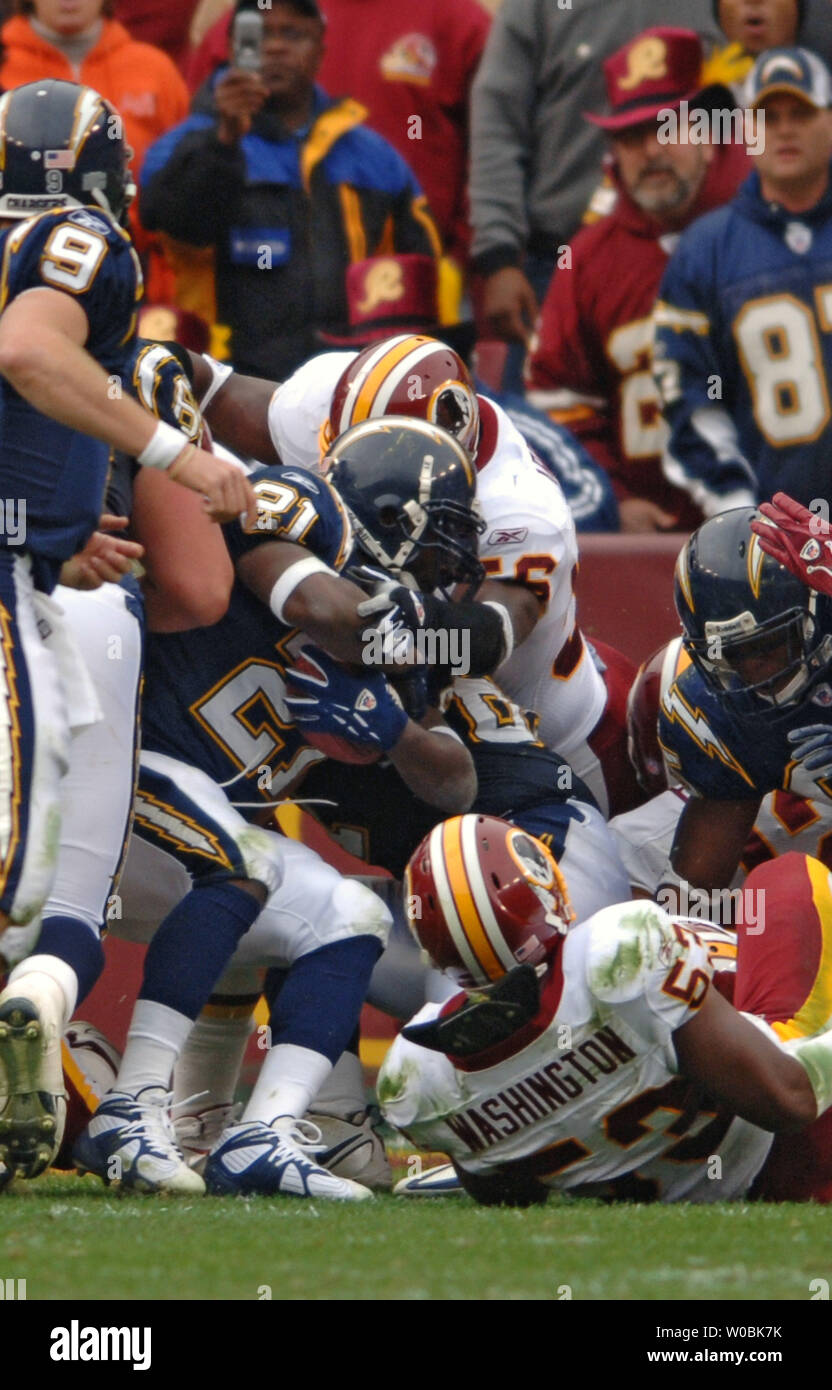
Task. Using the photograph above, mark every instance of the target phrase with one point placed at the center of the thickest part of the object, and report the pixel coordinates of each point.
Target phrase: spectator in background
(159, 22)
(590, 366)
(752, 26)
(535, 162)
(743, 349)
(412, 65)
(289, 188)
(81, 42)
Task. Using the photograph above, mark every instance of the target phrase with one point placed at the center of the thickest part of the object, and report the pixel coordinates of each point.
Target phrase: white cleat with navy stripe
(253, 1158)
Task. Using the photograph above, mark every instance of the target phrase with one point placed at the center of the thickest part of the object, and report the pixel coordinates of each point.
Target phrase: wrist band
(220, 372)
(508, 630)
(290, 579)
(164, 446)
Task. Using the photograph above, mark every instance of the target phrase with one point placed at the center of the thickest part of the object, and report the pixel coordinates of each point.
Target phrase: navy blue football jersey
(730, 756)
(214, 697)
(154, 375)
(55, 474)
(743, 352)
(518, 778)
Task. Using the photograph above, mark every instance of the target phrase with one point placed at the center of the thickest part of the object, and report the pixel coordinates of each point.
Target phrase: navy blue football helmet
(751, 627)
(61, 145)
(410, 488)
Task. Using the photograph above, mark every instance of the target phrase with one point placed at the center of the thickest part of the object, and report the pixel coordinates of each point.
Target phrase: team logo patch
(646, 62)
(366, 701)
(383, 284)
(811, 550)
(798, 237)
(412, 58)
(508, 537)
(822, 696)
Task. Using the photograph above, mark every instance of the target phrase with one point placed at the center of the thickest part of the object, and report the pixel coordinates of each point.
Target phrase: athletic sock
(194, 944)
(156, 1037)
(289, 1078)
(209, 1065)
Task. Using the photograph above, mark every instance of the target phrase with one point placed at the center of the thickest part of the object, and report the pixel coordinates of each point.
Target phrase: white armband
(163, 448)
(445, 729)
(289, 580)
(508, 629)
(220, 372)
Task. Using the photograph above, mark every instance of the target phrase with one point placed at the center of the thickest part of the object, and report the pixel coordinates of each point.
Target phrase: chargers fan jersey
(588, 1092)
(732, 756)
(743, 353)
(214, 697)
(55, 473)
(529, 536)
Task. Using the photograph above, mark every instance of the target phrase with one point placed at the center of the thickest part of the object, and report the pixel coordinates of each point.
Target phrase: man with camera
(288, 187)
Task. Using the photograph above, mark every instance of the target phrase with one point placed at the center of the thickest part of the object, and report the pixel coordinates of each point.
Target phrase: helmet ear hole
(495, 880)
(388, 516)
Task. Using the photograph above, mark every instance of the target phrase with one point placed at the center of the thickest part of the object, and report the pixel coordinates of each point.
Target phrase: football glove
(394, 615)
(812, 747)
(363, 709)
(798, 539)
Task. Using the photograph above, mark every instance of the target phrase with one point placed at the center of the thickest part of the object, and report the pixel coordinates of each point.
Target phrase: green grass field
(70, 1238)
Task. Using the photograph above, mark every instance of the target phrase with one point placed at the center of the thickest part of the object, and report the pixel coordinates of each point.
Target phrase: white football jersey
(784, 822)
(529, 536)
(595, 1097)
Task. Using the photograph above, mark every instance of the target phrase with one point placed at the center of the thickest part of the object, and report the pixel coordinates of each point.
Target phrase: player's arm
(42, 337)
(188, 571)
(304, 592)
(709, 841)
(435, 765)
(236, 407)
(522, 605)
(743, 1069)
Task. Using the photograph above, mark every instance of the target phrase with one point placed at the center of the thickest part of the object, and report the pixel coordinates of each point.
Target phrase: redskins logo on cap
(646, 62)
(383, 284)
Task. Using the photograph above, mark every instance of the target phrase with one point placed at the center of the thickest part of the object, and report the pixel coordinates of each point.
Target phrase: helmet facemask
(737, 658)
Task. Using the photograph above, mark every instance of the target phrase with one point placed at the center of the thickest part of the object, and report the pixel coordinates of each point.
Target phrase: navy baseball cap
(304, 7)
(793, 71)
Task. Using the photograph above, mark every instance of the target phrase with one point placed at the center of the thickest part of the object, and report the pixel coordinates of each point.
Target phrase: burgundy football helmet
(482, 896)
(406, 375)
(655, 677)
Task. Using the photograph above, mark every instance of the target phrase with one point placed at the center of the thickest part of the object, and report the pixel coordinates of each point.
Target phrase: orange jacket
(140, 81)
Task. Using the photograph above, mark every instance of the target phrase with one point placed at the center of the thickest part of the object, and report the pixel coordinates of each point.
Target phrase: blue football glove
(362, 709)
(812, 747)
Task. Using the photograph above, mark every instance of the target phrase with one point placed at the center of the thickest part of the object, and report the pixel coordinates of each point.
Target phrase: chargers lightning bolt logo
(678, 711)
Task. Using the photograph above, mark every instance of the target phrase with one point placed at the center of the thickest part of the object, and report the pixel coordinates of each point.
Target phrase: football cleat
(32, 1096)
(198, 1134)
(441, 1181)
(353, 1148)
(130, 1140)
(252, 1159)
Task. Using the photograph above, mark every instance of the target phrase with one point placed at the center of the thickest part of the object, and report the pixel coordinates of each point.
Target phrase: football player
(219, 743)
(70, 289)
(751, 713)
(526, 631)
(644, 836)
(602, 1058)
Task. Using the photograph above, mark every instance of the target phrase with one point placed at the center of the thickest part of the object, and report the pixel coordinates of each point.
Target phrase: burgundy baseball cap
(654, 72)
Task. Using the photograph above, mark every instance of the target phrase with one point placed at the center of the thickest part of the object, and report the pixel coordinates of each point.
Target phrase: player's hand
(106, 557)
(639, 515)
(812, 748)
(394, 615)
(509, 304)
(798, 539)
(363, 709)
(238, 96)
(226, 488)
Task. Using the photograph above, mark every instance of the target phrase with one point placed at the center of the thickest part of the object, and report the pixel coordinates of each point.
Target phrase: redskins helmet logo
(646, 62)
(532, 859)
(383, 284)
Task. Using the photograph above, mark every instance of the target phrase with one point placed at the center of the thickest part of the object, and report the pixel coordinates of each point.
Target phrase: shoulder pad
(630, 943)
